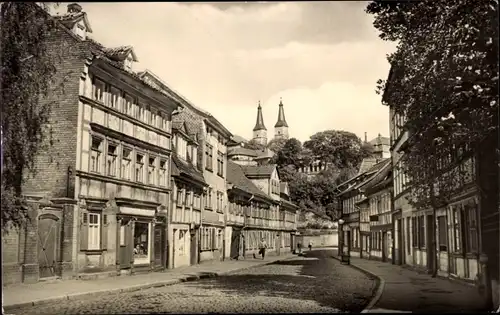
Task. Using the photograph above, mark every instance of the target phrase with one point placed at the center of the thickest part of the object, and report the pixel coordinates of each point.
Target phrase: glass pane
(141, 240)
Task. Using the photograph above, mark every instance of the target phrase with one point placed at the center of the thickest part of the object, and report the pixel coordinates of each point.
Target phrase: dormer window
(80, 31)
(128, 62)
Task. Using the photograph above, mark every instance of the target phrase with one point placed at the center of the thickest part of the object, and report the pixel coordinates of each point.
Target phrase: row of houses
(458, 238)
(136, 178)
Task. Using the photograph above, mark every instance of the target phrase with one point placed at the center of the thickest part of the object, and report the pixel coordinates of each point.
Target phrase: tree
(342, 149)
(290, 153)
(27, 71)
(444, 82)
(254, 145)
(276, 145)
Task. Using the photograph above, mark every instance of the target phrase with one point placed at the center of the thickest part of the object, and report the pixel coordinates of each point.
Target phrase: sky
(322, 58)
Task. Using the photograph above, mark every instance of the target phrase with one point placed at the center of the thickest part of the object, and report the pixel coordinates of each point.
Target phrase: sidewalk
(403, 290)
(43, 292)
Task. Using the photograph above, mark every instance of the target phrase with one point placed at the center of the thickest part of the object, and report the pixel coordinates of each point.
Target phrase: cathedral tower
(260, 131)
(281, 127)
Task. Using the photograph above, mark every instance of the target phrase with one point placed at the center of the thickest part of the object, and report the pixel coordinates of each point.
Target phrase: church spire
(281, 116)
(259, 124)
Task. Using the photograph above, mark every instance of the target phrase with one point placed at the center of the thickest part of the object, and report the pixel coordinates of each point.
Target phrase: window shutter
(104, 232)
(84, 231)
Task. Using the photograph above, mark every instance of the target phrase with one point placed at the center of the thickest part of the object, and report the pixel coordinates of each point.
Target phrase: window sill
(93, 251)
(209, 209)
(209, 169)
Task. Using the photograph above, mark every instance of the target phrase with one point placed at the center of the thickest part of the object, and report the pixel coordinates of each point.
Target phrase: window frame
(99, 151)
(209, 157)
(94, 229)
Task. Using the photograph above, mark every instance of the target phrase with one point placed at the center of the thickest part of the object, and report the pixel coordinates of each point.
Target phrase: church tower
(260, 131)
(281, 127)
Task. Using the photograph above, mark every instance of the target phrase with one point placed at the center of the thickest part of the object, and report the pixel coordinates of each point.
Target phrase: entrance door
(159, 246)
(194, 247)
(126, 249)
(48, 240)
(235, 244)
(431, 245)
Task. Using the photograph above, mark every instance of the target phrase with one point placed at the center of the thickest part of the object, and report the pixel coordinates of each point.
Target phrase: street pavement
(311, 283)
(408, 291)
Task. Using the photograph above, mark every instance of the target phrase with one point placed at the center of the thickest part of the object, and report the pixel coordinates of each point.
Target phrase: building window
(457, 241)
(208, 157)
(141, 243)
(187, 194)
(181, 242)
(94, 231)
(154, 119)
(197, 201)
(442, 234)
(472, 237)
(179, 196)
(414, 232)
(421, 232)
(95, 154)
(208, 199)
(163, 173)
(99, 90)
(139, 112)
(220, 201)
(114, 98)
(126, 163)
(220, 164)
(152, 170)
(129, 105)
(139, 167)
(111, 160)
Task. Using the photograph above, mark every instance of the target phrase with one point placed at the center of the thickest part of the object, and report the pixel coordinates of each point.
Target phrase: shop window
(96, 153)
(141, 243)
(181, 242)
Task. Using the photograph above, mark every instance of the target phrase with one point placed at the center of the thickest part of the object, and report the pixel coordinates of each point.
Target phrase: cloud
(319, 56)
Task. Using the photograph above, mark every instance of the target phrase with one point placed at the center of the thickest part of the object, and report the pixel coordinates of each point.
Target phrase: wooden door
(235, 244)
(159, 246)
(126, 245)
(48, 245)
(194, 247)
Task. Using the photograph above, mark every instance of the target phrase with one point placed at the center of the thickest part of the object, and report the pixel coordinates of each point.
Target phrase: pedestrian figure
(299, 247)
(262, 248)
(310, 245)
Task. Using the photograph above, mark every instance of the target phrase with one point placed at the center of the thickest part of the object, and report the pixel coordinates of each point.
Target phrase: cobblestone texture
(309, 284)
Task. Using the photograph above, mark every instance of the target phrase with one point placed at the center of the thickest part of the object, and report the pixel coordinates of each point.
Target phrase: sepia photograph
(250, 157)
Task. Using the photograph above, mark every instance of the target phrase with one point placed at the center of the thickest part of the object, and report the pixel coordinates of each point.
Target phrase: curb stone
(189, 278)
(379, 287)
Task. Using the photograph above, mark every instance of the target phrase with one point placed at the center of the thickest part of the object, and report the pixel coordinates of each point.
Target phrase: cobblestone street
(313, 283)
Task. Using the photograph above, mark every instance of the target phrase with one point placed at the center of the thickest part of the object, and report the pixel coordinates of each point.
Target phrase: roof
(241, 151)
(370, 172)
(181, 167)
(380, 179)
(238, 139)
(264, 154)
(120, 53)
(288, 203)
(259, 170)
(366, 164)
(237, 178)
(380, 141)
(281, 117)
(70, 19)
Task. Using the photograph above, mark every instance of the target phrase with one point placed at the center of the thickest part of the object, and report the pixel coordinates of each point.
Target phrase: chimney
(74, 8)
(366, 139)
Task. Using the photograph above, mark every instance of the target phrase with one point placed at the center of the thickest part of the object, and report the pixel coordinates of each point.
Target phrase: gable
(274, 174)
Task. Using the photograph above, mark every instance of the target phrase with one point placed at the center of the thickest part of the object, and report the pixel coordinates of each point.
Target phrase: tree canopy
(254, 145)
(342, 150)
(443, 81)
(27, 71)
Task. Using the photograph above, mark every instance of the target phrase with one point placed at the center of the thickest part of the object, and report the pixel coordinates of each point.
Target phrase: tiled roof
(380, 140)
(259, 170)
(366, 164)
(187, 168)
(380, 179)
(238, 139)
(375, 170)
(241, 151)
(120, 53)
(370, 171)
(236, 177)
